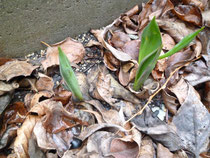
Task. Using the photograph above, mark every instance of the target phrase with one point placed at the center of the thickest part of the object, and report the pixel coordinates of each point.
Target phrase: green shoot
(150, 48)
(68, 75)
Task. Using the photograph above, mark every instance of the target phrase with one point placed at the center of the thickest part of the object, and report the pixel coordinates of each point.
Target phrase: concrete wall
(24, 23)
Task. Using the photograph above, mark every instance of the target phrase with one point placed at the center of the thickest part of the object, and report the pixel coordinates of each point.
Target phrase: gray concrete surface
(24, 23)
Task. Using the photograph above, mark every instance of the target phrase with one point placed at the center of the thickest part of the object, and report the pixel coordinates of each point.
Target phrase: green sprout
(150, 48)
(68, 75)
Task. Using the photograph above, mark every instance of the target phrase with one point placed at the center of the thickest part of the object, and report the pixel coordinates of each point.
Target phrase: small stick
(45, 44)
(161, 88)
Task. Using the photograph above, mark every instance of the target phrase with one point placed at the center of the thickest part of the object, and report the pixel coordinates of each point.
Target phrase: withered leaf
(44, 83)
(147, 150)
(119, 39)
(15, 68)
(54, 117)
(110, 61)
(132, 48)
(73, 50)
(168, 41)
(158, 130)
(192, 122)
(175, 28)
(100, 142)
(23, 135)
(189, 14)
(163, 152)
(7, 87)
(95, 127)
(124, 149)
(197, 73)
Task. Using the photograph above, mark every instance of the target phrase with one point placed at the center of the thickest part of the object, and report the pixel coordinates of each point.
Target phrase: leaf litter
(39, 117)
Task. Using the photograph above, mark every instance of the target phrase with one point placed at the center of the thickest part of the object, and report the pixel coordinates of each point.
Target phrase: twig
(45, 44)
(161, 88)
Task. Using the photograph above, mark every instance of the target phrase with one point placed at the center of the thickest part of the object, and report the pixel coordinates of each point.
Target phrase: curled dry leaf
(110, 61)
(73, 50)
(192, 123)
(124, 149)
(119, 39)
(197, 73)
(14, 69)
(32, 99)
(109, 116)
(158, 130)
(199, 3)
(100, 35)
(4, 60)
(99, 143)
(170, 102)
(147, 150)
(206, 18)
(132, 48)
(23, 135)
(149, 87)
(96, 127)
(44, 83)
(60, 141)
(189, 13)
(175, 28)
(7, 87)
(54, 117)
(124, 74)
(107, 87)
(180, 90)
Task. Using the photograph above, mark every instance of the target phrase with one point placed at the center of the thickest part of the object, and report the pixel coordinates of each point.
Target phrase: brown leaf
(147, 150)
(54, 117)
(60, 141)
(189, 14)
(124, 74)
(163, 152)
(158, 130)
(175, 28)
(153, 8)
(124, 149)
(109, 116)
(73, 50)
(132, 48)
(44, 83)
(194, 117)
(199, 3)
(110, 61)
(95, 127)
(180, 90)
(170, 102)
(100, 142)
(100, 35)
(119, 39)
(168, 41)
(197, 73)
(207, 95)
(23, 135)
(14, 69)
(158, 71)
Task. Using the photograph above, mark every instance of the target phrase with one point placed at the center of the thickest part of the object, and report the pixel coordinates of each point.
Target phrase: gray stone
(24, 23)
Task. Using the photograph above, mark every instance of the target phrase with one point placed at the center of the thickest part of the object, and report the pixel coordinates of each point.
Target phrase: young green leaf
(68, 75)
(150, 48)
(183, 43)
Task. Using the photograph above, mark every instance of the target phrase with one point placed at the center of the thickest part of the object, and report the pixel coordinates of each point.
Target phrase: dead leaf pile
(39, 117)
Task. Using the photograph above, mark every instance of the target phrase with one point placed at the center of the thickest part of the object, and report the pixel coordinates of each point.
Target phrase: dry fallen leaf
(7, 87)
(23, 135)
(147, 150)
(163, 152)
(14, 69)
(44, 83)
(132, 48)
(189, 13)
(192, 122)
(73, 50)
(110, 61)
(119, 39)
(168, 41)
(158, 130)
